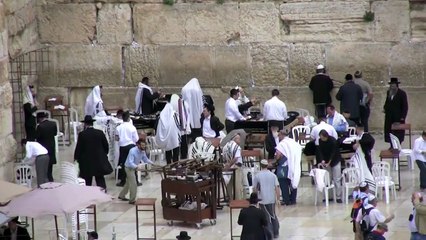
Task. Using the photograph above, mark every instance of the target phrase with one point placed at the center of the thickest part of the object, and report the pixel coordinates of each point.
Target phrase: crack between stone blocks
(123, 67)
(132, 22)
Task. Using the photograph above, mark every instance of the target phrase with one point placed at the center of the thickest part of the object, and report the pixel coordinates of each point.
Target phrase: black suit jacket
(367, 144)
(321, 86)
(253, 221)
(45, 135)
(328, 151)
(22, 234)
(148, 101)
(215, 124)
(91, 153)
(350, 96)
(270, 145)
(395, 110)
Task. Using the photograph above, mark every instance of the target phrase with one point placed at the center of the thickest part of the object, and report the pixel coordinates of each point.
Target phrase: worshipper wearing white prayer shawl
(233, 160)
(144, 99)
(30, 107)
(94, 104)
(288, 155)
(181, 108)
(168, 133)
(193, 95)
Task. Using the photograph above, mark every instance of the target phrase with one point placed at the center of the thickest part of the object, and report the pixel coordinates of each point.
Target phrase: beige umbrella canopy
(8, 191)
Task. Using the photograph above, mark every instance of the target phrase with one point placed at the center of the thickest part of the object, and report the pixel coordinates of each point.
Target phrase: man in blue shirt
(133, 163)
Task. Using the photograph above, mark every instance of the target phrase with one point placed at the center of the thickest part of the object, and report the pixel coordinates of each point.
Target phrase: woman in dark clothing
(253, 221)
(30, 106)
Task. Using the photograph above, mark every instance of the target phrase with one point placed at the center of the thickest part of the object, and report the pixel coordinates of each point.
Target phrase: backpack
(357, 205)
(365, 221)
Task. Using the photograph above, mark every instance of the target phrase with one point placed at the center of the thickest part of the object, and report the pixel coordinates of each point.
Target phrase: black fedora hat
(183, 235)
(42, 115)
(88, 119)
(394, 80)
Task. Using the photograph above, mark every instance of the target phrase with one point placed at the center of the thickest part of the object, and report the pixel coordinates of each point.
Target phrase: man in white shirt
(419, 152)
(323, 126)
(274, 110)
(126, 135)
(336, 120)
(36, 153)
(231, 111)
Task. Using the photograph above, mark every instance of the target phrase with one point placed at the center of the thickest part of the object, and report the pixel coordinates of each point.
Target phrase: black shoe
(339, 201)
(139, 184)
(330, 199)
(120, 184)
(123, 199)
(132, 202)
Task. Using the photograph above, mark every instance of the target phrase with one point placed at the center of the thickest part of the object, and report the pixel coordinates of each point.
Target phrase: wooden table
(404, 127)
(392, 154)
(236, 204)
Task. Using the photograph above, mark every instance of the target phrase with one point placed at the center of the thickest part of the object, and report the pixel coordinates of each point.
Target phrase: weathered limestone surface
(114, 24)
(303, 59)
(266, 19)
(418, 21)
(231, 64)
(392, 20)
(408, 63)
(270, 65)
(6, 96)
(371, 58)
(85, 65)
(140, 62)
(23, 42)
(67, 23)
(7, 155)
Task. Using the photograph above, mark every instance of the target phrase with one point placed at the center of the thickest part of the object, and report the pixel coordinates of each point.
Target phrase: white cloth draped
(293, 151)
(94, 103)
(139, 96)
(359, 162)
(193, 95)
(183, 112)
(28, 96)
(168, 134)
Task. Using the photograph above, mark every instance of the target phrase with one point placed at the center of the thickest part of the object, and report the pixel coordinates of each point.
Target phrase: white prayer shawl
(28, 96)
(229, 151)
(183, 113)
(293, 151)
(94, 103)
(201, 146)
(193, 95)
(168, 134)
(139, 96)
(359, 162)
(318, 174)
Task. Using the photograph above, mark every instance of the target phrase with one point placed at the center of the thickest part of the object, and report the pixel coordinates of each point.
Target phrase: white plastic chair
(59, 137)
(155, 153)
(325, 182)
(351, 177)
(23, 175)
(383, 179)
(68, 173)
(74, 122)
(396, 144)
(49, 115)
(298, 131)
(352, 131)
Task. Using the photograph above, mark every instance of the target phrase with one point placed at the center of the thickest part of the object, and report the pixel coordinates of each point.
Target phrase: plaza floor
(303, 221)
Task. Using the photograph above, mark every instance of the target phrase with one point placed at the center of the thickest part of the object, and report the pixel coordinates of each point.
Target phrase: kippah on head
(348, 77)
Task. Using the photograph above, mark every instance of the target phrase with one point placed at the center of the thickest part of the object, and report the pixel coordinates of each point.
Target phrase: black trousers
(172, 155)
(184, 147)
(229, 126)
(422, 167)
(320, 109)
(100, 181)
(50, 172)
(279, 124)
(30, 132)
(124, 152)
(364, 112)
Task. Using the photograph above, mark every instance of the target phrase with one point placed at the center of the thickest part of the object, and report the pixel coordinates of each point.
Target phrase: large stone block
(303, 60)
(270, 65)
(418, 21)
(325, 21)
(5, 96)
(85, 66)
(259, 22)
(178, 64)
(6, 122)
(142, 61)
(7, 156)
(3, 44)
(23, 42)
(370, 58)
(12, 6)
(20, 19)
(231, 66)
(387, 27)
(114, 24)
(408, 63)
(67, 23)
(4, 70)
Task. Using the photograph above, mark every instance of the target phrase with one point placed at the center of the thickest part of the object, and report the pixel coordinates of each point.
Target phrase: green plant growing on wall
(169, 2)
(220, 1)
(368, 16)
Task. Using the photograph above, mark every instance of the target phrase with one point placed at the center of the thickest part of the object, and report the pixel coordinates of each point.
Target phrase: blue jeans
(417, 236)
(288, 193)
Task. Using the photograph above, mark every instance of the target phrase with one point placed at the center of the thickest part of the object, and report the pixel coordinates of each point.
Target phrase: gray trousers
(42, 166)
(130, 185)
(273, 225)
(336, 176)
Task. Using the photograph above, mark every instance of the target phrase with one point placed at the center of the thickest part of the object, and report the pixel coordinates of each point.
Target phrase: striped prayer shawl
(201, 146)
(359, 162)
(229, 150)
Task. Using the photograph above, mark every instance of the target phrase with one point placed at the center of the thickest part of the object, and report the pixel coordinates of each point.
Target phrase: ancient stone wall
(259, 45)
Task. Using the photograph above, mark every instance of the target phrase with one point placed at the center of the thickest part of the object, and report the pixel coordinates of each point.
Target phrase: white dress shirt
(231, 110)
(338, 121)
(274, 109)
(33, 150)
(207, 129)
(322, 126)
(419, 149)
(127, 134)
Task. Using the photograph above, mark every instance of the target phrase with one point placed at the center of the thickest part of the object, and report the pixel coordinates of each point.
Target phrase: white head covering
(293, 151)
(28, 96)
(94, 102)
(168, 133)
(193, 95)
(139, 96)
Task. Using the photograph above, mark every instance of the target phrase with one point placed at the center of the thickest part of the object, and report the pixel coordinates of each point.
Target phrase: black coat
(22, 234)
(321, 86)
(215, 124)
(253, 221)
(148, 101)
(91, 153)
(396, 110)
(367, 144)
(350, 96)
(328, 151)
(45, 135)
(30, 121)
(270, 145)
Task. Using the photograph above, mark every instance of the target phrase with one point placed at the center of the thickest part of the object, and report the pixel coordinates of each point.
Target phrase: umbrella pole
(32, 227)
(56, 227)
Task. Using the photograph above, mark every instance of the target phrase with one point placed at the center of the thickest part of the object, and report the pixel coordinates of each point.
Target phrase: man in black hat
(91, 153)
(253, 220)
(45, 135)
(350, 96)
(14, 231)
(395, 109)
(183, 235)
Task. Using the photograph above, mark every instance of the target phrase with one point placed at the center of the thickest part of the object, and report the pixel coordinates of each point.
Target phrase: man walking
(268, 188)
(91, 153)
(36, 154)
(367, 97)
(350, 96)
(45, 135)
(274, 110)
(321, 86)
(419, 154)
